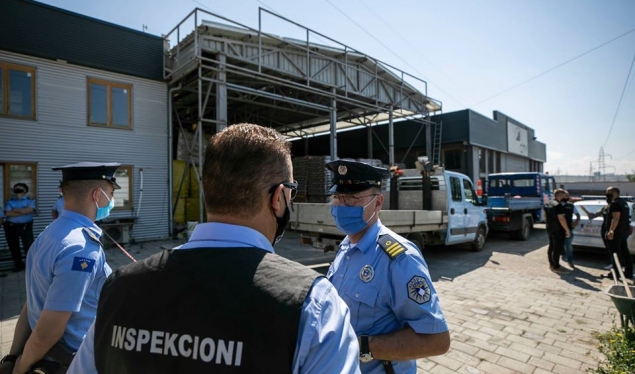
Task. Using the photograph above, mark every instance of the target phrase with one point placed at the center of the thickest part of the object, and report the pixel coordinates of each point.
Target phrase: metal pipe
(170, 150)
(333, 136)
(391, 139)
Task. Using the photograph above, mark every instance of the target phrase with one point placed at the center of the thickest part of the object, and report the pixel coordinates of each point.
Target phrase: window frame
(130, 169)
(455, 189)
(7, 184)
(5, 109)
(109, 114)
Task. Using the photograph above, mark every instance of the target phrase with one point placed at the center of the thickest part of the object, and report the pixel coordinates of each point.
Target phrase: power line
(552, 69)
(383, 45)
(630, 70)
(415, 49)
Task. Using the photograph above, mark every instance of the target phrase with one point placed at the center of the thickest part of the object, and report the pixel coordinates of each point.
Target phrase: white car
(587, 234)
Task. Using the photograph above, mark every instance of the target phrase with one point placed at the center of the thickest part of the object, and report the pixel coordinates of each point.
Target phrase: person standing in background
(58, 207)
(569, 212)
(18, 224)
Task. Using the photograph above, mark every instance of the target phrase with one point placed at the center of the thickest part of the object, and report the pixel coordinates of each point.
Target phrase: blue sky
(542, 62)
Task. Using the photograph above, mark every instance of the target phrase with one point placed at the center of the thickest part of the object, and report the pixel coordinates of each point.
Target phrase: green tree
(631, 177)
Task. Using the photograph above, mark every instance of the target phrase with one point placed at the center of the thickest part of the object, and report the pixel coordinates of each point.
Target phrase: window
(109, 104)
(455, 188)
(17, 91)
(453, 159)
(468, 189)
(123, 197)
(18, 172)
(529, 182)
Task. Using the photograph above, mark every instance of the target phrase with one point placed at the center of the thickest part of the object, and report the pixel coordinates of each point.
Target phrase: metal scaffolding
(222, 72)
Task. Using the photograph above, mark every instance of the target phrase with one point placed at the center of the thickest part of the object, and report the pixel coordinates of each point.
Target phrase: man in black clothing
(558, 230)
(617, 225)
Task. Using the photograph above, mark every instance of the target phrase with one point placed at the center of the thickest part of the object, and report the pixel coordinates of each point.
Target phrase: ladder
(436, 143)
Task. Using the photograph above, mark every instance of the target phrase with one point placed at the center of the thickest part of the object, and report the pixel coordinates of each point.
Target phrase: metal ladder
(436, 143)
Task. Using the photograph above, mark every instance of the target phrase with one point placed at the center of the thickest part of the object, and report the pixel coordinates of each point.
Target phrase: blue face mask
(104, 212)
(350, 219)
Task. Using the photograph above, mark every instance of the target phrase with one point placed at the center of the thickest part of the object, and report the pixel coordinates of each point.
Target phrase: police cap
(82, 171)
(353, 176)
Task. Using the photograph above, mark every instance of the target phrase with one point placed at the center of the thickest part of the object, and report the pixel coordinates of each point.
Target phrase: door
(457, 228)
(473, 212)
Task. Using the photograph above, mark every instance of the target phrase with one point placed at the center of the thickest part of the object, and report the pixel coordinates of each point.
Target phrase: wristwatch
(9, 358)
(364, 350)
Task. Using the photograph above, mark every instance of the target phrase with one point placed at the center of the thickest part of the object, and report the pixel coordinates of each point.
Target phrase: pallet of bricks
(185, 192)
(313, 178)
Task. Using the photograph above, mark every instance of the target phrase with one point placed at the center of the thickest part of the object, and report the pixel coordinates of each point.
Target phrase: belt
(388, 367)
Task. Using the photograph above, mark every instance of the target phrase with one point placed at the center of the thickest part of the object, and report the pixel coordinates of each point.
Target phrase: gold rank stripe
(395, 249)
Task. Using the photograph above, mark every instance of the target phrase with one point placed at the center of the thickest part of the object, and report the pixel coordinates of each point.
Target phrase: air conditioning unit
(120, 233)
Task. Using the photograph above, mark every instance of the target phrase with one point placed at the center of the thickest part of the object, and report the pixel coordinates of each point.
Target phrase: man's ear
(380, 201)
(276, 199)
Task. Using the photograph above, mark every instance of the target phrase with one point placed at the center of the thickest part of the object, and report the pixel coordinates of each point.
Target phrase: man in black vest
(618, 226)
(557, 229)
(225, 302)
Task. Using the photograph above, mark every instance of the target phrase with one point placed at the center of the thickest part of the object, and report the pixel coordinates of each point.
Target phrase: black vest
(221, 310)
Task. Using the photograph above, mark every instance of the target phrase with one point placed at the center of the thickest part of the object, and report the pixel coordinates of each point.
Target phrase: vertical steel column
(221, 94)
(199, 132)
(429, 149)
(333, 134)
(391, 139)
(369, 141)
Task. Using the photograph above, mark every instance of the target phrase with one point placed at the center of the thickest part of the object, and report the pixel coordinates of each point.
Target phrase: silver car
(587, 234)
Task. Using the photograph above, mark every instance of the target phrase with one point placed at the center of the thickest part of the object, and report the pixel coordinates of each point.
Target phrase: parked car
(587, 234)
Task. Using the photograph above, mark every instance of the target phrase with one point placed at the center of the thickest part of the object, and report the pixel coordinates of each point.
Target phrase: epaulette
(392, 247)
(91, 234)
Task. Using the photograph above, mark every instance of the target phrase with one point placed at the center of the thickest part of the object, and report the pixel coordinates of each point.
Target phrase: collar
(82, 220)
(215, 234)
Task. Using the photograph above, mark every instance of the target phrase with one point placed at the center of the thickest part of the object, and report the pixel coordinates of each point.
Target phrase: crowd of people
(237, 306)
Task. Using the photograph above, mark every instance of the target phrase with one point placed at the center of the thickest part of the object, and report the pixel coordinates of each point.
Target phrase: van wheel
(524, 233)
(416, 239)
(479, 242)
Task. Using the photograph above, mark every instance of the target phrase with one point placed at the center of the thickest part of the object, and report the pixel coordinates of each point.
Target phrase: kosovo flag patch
(83, 264)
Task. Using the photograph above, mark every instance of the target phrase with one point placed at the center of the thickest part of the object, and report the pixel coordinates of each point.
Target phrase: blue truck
(515, 201)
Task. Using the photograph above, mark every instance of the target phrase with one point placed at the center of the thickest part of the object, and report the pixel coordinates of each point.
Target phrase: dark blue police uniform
(19, 227)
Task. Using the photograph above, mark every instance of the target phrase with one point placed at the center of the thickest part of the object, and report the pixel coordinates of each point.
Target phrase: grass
(618, 346)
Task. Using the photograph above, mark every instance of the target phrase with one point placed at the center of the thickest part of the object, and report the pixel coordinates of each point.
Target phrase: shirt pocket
(363, 306)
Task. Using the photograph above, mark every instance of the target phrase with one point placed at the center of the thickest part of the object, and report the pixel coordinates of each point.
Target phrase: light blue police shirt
(326, 340)
(15, 203)
(386, 295)
(59, 205)
(65, 271)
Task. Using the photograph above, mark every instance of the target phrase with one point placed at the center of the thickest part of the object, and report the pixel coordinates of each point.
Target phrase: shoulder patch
(91, 234)
(83, 264)
(419, 290)
(392, 247)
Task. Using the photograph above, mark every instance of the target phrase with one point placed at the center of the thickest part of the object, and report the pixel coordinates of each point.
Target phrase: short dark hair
(23, 185)
(613, 189)
(241, 164)
(80, 188)
(559, 191)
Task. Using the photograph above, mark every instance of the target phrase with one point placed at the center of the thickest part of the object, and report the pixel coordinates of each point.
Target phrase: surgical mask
(350, 219)
(565, 200)
(609, 197)
(281, 222)
(104, 212)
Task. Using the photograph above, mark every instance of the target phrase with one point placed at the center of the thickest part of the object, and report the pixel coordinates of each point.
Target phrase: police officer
(618, 225)
(18, 224)
(224, 301)
(58, 207)
(382, 277)
(65, 271)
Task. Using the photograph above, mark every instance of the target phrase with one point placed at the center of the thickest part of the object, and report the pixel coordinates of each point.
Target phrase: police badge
(367, 273)
(418, 290)
(342, 169)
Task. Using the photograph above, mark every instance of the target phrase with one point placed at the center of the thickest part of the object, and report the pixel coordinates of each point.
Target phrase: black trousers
(14, 232)
(618, 245)
(556, 248)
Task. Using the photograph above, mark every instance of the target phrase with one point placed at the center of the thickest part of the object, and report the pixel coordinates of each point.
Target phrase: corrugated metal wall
(61, 136)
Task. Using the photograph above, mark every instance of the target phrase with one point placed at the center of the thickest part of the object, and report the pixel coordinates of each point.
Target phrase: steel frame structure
(226, 72)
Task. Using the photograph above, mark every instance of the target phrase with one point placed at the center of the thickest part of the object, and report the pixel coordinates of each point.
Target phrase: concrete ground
(507, 312)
